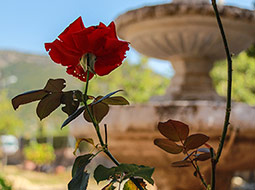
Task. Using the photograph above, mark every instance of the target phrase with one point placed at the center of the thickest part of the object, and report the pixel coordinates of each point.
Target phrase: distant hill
(20, 72)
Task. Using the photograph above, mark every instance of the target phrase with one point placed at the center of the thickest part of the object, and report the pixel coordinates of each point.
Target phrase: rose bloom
(95, 49)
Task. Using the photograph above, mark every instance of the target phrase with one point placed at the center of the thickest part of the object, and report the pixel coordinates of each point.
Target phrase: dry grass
(31, 180)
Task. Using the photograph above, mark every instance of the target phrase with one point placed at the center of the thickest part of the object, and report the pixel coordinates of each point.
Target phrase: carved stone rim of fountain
(187, 34)
(162, 10)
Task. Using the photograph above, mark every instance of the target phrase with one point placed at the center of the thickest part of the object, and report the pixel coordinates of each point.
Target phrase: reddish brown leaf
(99, 111)
(55, 85)
(195, 141)
(28, 97)
(116, 100)
(168, 146)
(203, 157)
(48, 104)
(183, 163)
(174, 130)
(71, 105)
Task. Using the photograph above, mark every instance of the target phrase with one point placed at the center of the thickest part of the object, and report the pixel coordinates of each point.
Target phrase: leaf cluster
(115, 174)
(176, 131)
(123, 172)
(40, 153)
(99, 108)
(52, 96)
(4, 184)
(243, 87)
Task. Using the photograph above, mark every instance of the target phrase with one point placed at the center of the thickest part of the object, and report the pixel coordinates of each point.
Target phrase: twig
(228, 104)
(106, 135)
(229, 84)
(213, 172)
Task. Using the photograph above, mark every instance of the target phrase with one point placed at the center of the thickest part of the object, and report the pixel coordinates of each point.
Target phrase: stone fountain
(184, 32)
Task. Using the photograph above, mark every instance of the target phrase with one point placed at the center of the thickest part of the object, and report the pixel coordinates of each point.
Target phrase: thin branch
(215, 159)
(213, 172)
(195, 166)
(106, 135)
(229, 84)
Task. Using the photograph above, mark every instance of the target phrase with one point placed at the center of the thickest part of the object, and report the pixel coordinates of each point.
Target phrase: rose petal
(76, 40)
(61, 54)
(76, 26)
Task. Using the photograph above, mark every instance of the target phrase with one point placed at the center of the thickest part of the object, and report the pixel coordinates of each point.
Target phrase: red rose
(77, 43)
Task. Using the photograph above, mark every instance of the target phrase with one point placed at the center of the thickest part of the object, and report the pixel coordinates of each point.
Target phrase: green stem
(196, 167)
(213, 164)
(229, 84)
(90, 114)
(105, 149)
(215, 159)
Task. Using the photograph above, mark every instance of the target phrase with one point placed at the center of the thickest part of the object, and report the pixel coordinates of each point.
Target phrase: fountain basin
(132, 129)
(187, 35)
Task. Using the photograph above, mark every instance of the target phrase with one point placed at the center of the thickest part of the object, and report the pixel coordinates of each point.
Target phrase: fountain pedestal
(187, 34)
(191, 80)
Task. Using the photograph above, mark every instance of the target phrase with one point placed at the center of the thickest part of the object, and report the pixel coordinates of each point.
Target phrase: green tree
(243, 78)
(138, 81)
(40, 154)
(10, 123)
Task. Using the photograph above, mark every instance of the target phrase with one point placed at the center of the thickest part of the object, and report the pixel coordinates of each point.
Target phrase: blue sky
(27, 24)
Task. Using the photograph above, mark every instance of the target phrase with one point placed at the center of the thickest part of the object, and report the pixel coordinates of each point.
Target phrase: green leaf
(73, 116)
(129, 170)
(106, 96)
(129, 185)
(174, 130)
(168, 146)
(71, 105)
(81, 162)
(183, 163)
(55, 85)
(48, 104)
(28, 97)
(80, 182)
(99, 111)
(102, 173)
(80, 178)
(195, 141)
(116, 100)
(133, 170)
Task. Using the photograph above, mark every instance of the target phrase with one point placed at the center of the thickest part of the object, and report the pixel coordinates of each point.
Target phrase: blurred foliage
(138, 81)
(251, 51)
(40, 154)
(4, 185)
(243, 78)
(10, 123)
